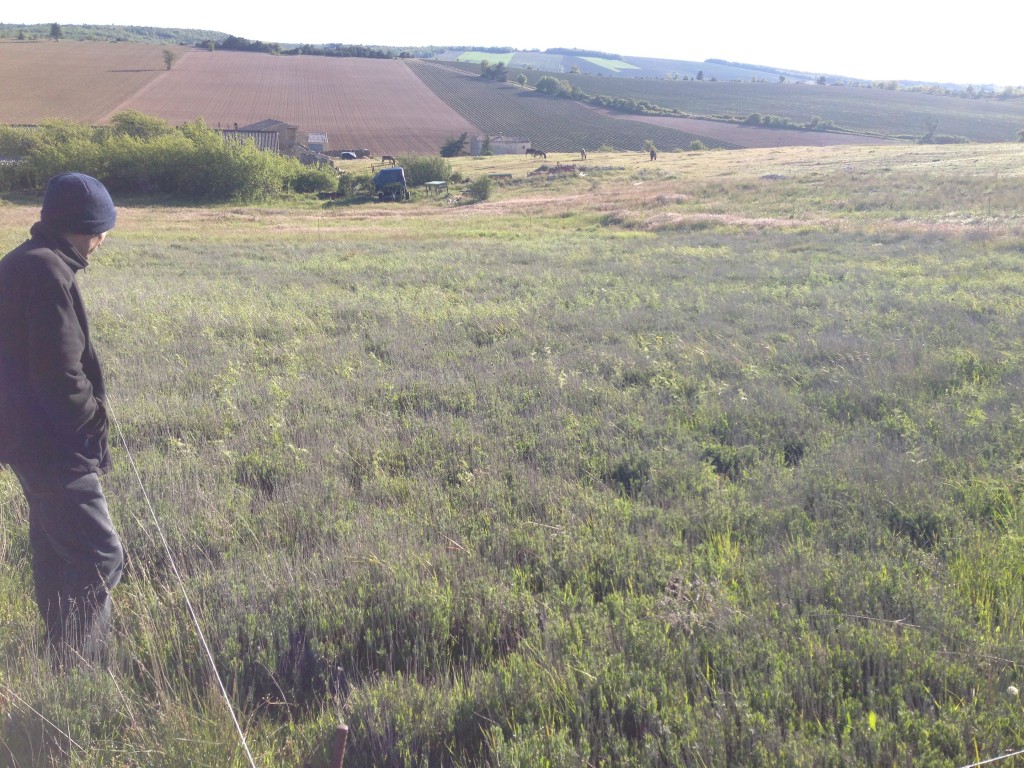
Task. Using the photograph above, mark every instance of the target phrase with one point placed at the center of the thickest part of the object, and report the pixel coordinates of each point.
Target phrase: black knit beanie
(78, 204)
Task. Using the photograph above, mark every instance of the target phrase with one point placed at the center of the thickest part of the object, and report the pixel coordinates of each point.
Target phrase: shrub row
(138, 154)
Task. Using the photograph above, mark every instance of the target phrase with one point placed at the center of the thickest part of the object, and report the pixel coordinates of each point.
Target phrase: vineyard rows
(868, 110)
(550, 123)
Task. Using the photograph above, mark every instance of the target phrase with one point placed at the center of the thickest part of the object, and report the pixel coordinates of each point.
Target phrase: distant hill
(612, 65)
(554, 60)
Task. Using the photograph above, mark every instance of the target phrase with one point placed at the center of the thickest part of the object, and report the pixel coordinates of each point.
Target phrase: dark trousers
(76, 559)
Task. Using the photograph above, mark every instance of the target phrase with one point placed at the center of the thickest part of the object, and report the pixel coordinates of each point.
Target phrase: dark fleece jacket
(51, 383)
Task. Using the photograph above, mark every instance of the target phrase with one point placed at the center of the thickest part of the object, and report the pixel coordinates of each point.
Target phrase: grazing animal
(388, 159)
(531, 152)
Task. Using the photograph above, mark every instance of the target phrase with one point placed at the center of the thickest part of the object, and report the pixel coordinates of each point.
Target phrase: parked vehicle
(389, 184)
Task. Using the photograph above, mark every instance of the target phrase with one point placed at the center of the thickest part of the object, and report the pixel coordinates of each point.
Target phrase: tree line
(563, 88)
(233, 43)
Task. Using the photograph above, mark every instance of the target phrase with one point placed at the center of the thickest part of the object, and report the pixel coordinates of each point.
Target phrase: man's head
(76, 204)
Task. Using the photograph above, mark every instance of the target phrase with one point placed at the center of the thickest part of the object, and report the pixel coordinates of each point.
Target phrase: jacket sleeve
(57, 347)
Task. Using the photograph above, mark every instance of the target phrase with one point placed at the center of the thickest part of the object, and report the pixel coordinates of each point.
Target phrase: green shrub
(134, 123)
(480, 189)
(553, 86)
(314, 178)
(144, 155)
(419, 169)
(454, 146)
(354, 183)
(14, 142)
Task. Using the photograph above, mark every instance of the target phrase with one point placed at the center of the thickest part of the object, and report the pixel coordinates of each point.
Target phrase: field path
(375, 104)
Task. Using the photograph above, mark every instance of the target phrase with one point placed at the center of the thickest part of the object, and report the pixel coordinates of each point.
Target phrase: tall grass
(703, 470)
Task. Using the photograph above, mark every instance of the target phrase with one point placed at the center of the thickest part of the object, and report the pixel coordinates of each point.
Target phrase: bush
(350, 184)
(454, 146)
(15, 142)
(419, 169)
(11, 178)
(314, 178)
(946, 139)
(553, 86)
(480, 189)
(139, 125)
(144, 155)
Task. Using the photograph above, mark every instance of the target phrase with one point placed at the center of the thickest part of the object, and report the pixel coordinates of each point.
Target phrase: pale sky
(872, 39)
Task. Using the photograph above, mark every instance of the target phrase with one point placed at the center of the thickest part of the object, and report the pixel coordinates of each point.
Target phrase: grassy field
(710, 461)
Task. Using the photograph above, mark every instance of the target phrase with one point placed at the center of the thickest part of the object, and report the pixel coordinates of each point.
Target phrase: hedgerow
(191, 162)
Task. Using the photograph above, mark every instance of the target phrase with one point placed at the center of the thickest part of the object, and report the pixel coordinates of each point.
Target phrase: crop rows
(549, 123)
(869, 110)
(370, 103)
(72, 80)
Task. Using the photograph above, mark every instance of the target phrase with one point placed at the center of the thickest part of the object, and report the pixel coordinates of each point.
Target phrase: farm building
(269, 141)
(277, 136)
(499, 145)
(288, 135)
(317, 142)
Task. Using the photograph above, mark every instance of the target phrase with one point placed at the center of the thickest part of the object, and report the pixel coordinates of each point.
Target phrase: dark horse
(531, 152)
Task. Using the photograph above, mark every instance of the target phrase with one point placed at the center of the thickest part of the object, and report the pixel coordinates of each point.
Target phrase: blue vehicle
(389, 184)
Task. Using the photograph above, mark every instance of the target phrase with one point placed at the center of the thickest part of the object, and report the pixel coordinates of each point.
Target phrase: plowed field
(377, 104)
(75, 80)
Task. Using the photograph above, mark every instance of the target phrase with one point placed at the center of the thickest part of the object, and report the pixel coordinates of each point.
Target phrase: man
(53, 426)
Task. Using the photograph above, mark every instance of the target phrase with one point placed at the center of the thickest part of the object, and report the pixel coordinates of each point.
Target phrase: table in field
(435, 187)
